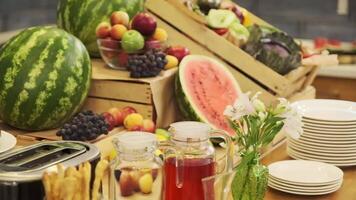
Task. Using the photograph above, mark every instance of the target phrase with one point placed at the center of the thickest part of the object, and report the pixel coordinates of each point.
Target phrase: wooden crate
(152, 97)
(192, 25)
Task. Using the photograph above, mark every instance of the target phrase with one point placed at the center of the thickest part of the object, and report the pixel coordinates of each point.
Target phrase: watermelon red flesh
(208, 87)
(81, 17)
(45, 76)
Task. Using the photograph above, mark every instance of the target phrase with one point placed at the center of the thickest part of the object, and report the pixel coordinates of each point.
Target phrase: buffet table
(346, 192)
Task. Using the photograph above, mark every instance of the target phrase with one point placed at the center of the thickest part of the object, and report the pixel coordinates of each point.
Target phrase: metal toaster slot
(40, 157)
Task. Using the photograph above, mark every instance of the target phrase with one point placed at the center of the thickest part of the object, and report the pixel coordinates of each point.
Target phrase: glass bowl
(115, 57)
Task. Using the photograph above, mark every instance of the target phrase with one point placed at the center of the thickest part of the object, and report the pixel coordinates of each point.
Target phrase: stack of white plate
(329, 132)
(304, 177)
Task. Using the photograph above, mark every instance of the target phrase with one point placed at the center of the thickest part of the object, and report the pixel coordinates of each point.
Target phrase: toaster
(21, 170)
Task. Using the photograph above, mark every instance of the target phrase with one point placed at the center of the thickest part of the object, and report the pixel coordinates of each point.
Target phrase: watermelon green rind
(81, 17)
(45, 76)
(184, 101)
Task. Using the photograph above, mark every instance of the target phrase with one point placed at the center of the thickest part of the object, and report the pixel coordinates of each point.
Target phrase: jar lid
(190, 130)
(135, 141)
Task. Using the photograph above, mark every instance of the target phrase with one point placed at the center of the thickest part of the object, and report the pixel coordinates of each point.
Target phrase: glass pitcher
(136, 174)
(190, 157)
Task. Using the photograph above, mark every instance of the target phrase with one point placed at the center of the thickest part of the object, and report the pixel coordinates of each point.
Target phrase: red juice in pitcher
(193, 170)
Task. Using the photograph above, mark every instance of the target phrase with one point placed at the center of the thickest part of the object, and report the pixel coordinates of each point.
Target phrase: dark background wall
(300, 18)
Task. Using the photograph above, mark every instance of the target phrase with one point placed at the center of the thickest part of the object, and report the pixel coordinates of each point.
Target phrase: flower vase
(251, 178)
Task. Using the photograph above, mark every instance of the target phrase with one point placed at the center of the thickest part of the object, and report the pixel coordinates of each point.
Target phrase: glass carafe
(190, 157)
(136, 174)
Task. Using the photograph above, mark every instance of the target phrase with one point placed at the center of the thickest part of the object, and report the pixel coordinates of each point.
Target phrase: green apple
(220, 18)
(132, 41)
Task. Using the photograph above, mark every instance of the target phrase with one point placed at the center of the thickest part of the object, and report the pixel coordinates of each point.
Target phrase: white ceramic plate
(327, 110)
(345, 130)
(327, 127)
(327, 142)
(303, 186)
(328, 123)
(317, 143)
(7, 141)
(288, 190)
(330, 152)
(303, 171)
(303, 157)
(323, 155)
(322, 149)
(329, 132)
(329, 137)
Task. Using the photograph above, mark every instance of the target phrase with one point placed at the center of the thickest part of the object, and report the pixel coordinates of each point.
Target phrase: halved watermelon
(204, 87)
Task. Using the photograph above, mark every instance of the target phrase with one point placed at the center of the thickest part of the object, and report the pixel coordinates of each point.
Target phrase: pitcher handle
(229, 155)
(179, 162)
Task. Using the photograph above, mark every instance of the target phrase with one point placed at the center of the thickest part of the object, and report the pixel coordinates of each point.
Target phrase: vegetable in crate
(81, 17)
(45, 75)
(275, 49)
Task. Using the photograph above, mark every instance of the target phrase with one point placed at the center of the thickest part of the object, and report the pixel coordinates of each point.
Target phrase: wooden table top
(346, 192)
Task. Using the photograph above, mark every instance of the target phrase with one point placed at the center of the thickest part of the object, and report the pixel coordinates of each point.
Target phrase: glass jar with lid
(137, 171)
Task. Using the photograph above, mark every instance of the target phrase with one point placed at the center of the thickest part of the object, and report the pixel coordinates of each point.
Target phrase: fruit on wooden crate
(171, 62)
(220, 18)
(118, 31)
(120, 17)
(110, 119)
(160, 34)
(144, 23)
(228, 5)
(148, 64)
(238, 34)
(81, 17)
(204, 87)
(275, 49)
(85, 126)
(133, 121)
(103, 30)
(148, 125)
(132, 41)
(178, 51)
(40, 88)
(131, 49)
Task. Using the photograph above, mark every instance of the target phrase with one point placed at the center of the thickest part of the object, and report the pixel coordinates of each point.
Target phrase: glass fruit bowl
(116, 57)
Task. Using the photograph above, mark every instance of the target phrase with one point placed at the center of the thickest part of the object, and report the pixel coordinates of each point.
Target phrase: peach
(148, 125)
(160, 34)
(128, 110)
(117, 114)
(133, 120)
(126, 183)
(117, 31)
(103, 30)
(119, 17)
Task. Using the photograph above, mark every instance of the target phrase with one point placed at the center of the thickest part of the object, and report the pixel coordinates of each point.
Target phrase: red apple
(144, 23)
(178, 51)
(119, 17)
(149, 125)
(117, 114)
(109, 118)
(103, 30)
(127, 110)
(123, 57)
(221, 31)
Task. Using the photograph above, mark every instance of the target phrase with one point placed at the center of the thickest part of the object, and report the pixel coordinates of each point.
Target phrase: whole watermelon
(45, 76)
(80, 17)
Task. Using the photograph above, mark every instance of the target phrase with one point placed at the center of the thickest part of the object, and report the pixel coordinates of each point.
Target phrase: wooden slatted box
(174, 13)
